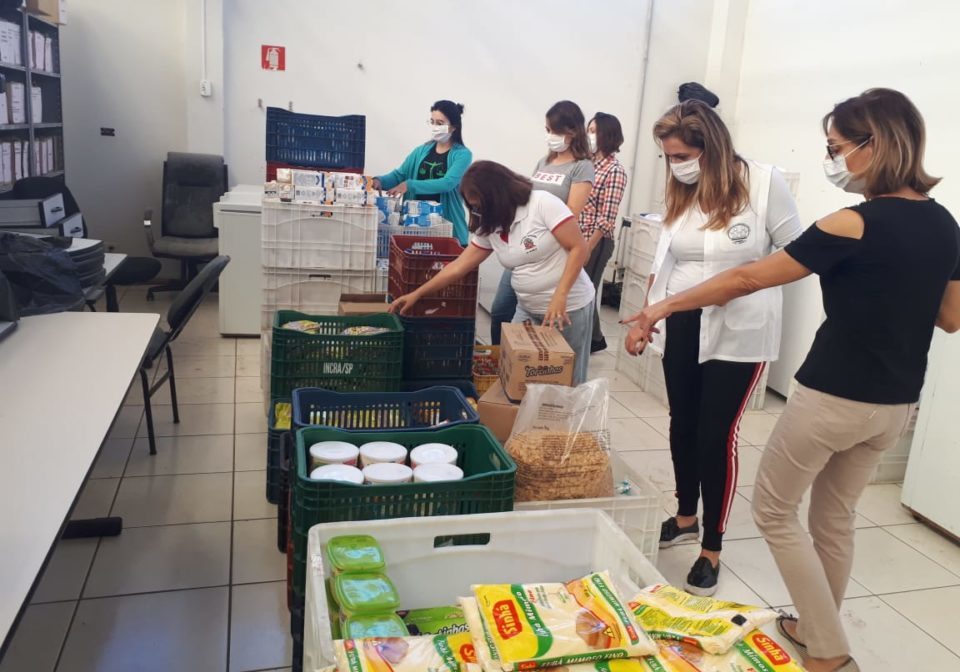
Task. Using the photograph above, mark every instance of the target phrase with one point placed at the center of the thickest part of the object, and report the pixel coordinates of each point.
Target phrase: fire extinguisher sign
(273, 57)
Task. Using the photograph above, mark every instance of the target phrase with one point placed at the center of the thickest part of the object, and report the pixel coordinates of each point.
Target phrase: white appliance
(237, 216)
(930, 487)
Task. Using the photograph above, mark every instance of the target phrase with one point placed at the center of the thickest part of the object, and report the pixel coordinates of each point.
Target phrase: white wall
(506, 61)
(799, 60)
(123, 67)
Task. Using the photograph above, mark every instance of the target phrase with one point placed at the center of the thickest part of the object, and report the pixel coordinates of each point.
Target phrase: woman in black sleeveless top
(890, 273)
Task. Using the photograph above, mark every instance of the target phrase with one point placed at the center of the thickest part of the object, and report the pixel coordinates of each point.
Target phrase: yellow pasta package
(756, 652)
(551, 624)
(438, 653)
(668, 613)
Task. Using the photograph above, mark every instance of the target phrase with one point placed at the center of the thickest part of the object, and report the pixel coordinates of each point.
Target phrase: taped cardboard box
(362, 304)
(497, 413)
(533, 354)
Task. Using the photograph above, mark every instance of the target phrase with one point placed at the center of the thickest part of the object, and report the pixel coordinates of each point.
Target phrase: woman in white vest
(721, 211)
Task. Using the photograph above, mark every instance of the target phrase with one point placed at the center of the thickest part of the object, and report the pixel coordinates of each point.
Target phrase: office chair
(179, 314)
(192, 183)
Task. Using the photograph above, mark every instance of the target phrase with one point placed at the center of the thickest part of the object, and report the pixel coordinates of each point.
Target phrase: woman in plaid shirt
(599, 216)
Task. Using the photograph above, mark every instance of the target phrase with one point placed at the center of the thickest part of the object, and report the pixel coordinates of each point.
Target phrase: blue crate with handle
(430, 408)
(315, 141)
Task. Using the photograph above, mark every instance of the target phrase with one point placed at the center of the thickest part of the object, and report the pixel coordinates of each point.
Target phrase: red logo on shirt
(529, 244)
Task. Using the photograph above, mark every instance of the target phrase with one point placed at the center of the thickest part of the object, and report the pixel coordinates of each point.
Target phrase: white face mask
(557, 143)
(840, 176)
(592, 142)
(687, 172)
(440, 133)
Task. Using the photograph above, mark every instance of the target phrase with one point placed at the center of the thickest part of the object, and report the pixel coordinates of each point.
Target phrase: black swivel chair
(132, 271)
(182, 308)
(192, 183)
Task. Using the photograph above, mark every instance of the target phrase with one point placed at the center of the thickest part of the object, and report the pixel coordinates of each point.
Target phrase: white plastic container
(437, 472)
(330, 237)
(433, 453)
(636, 507)
(310, 291)
(377, 452)
(387, 473)
(333, 452)
(514, 547)
(337, 472)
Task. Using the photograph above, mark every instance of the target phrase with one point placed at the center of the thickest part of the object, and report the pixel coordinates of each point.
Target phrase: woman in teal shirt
(432, 171)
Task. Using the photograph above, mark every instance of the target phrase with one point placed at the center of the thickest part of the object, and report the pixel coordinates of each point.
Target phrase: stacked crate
(311, 254)
(439, 331)
(640, 245)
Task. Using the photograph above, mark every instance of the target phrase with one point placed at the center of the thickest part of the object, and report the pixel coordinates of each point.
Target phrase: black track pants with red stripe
(706, 403)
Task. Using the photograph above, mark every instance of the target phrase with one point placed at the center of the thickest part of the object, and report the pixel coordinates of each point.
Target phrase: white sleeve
(553, 211)
(783, 220)
(483, 242)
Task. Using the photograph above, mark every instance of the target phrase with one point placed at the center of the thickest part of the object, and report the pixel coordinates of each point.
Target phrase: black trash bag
(43, 276)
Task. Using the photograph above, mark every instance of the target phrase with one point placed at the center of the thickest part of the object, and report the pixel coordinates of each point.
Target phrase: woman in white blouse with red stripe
(535, 235)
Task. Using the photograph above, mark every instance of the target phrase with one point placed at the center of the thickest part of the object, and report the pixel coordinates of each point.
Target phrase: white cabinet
(237, 216)
(933, 469)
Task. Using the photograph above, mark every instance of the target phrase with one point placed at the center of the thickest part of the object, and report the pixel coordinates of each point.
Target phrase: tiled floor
(195, 582)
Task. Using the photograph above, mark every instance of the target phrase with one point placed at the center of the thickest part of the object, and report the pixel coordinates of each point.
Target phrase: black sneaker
(598, 346)
(671, 533)
(702, 579)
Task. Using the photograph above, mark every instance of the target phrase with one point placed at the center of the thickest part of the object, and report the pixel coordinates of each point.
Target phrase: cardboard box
(362, 304)
(52, 10)
(497, 412)
(533, 354)
(16, 102)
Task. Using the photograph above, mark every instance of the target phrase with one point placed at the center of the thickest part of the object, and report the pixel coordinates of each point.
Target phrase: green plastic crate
(487, 486)
(332, 360)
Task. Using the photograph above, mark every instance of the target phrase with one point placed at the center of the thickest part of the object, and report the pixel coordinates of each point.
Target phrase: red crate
(414, 260)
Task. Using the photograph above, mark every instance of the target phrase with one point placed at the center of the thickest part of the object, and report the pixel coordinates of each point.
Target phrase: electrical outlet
(206, 88)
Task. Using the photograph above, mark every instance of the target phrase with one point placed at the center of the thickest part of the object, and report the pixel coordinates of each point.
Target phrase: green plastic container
(355, 554)
(365, 594)
(380, 625)
(332, 360)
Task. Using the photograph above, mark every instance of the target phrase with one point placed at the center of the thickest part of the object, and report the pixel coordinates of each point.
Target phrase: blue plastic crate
(336, 143)
(467, 387)
(433, 407)
(438, 347)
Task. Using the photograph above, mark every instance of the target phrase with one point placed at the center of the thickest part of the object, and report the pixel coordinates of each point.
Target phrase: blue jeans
(577, 334)
(504, 306)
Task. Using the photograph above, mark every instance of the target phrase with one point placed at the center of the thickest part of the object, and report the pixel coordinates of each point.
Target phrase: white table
(63, 378)
(111, 262)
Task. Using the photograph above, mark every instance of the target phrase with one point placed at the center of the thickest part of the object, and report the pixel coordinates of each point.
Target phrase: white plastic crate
(641, 243)
(522, 547)
(310, 291)
(633, 294)
(893, 462)
(266, 352)
(328, 237)
(636, 510)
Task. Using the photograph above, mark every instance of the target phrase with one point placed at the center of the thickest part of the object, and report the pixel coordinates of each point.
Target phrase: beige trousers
(833, 445)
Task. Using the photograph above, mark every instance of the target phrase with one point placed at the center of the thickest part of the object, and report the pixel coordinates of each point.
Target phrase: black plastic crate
(316, 141)
(438, 347)
(429, 408)
(466, 387)
(275, 437)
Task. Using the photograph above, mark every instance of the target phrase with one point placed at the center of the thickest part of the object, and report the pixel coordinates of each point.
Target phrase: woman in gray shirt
(567, 173)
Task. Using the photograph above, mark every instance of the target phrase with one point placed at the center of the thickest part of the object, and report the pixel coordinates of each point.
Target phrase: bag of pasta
(561, 444)
(715, 626)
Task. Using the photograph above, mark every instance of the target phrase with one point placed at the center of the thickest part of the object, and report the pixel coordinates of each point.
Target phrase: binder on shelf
(16, 102)
(4, 110)
(36, 104)
(6, 162)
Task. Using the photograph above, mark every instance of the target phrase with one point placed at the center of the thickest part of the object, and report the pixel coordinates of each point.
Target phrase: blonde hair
(722, 191)
(892, 124)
